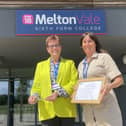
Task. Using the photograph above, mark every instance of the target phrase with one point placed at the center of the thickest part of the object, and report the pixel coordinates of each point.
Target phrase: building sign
(68, 22)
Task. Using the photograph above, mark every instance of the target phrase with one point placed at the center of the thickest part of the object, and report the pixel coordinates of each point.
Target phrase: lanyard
(54, 72)
(56, 68)
(85, 68)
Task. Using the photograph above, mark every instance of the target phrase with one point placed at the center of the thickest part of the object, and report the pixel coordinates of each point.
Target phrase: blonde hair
(52, 37)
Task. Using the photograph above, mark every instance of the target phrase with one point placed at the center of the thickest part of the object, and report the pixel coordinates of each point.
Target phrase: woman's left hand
(106, 89)
(52, 97)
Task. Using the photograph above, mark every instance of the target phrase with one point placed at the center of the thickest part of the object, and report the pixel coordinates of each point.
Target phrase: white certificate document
(88, 90)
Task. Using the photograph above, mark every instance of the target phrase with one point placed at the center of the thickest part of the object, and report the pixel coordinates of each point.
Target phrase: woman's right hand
(32, 100)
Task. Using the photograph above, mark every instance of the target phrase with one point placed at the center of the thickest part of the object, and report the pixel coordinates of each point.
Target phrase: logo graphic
(27, 19)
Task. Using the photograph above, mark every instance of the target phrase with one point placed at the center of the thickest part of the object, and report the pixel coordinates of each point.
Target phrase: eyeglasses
(52, 46)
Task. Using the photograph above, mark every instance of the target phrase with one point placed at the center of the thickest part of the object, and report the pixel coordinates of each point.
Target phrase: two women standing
(55, 79)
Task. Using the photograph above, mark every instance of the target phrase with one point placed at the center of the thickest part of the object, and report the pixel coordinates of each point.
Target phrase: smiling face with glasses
(54, 47)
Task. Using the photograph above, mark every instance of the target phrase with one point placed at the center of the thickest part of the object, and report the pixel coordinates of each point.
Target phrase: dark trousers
(58, 121)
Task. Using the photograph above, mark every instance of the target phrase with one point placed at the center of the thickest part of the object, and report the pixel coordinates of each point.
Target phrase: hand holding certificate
(88, 91)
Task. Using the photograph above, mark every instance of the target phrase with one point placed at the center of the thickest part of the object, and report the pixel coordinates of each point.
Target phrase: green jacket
(67, 78)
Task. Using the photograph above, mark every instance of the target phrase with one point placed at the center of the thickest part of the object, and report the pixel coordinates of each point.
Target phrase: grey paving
(27, 120)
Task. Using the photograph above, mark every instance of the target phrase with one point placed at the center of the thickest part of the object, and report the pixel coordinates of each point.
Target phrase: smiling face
(54, 48)
(88, 45)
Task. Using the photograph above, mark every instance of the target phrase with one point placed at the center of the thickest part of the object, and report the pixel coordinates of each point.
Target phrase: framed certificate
(88, 91)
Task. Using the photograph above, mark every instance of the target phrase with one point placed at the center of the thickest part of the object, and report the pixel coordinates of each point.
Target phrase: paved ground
(28, 120)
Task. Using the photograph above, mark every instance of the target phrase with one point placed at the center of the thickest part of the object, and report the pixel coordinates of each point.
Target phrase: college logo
(27, 19)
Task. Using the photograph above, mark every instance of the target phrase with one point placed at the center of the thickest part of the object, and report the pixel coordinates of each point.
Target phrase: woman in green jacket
(52, 86)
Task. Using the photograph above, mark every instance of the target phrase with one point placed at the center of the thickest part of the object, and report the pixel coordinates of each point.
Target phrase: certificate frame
(83, 93)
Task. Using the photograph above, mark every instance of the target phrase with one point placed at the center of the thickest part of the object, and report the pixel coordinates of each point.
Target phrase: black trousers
(58, 121)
